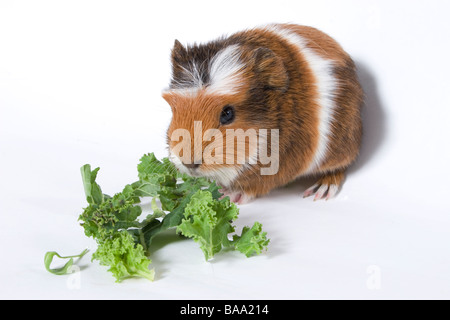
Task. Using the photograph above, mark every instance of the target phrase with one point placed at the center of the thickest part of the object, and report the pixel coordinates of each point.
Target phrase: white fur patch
(178, 164)
(224, 176)
(225, 73)
(195, 75)
(326, 85)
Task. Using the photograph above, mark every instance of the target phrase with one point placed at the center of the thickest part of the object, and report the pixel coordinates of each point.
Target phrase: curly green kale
(194, 206)
(252, 241)
(124, 257)
(209, 222)
(106, 216)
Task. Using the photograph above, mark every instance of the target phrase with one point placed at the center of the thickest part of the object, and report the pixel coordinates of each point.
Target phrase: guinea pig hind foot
(327, 187)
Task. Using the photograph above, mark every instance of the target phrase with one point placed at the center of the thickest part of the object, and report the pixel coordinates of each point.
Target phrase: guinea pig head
(219, 101)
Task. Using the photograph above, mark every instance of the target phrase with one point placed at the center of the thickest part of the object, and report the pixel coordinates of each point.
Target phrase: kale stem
(143, 244)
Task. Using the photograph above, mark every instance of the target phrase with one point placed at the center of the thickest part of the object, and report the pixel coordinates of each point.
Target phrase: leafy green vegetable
(91, 188)
(191, 205)
(208, 222)
(48, 259)
(124, 257)
(252, 241)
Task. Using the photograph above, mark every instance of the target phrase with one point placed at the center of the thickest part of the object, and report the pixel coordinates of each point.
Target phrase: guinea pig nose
(192, 165)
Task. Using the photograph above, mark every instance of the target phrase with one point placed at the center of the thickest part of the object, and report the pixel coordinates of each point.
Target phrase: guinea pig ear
(271, 69)
(179, 52)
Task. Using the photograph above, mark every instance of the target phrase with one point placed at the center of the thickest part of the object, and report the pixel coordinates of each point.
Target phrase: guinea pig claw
(320, 194)
(309, 192)
(322, 191)
(332, 191)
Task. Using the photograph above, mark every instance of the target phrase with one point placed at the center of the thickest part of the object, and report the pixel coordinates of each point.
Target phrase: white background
(81, 82)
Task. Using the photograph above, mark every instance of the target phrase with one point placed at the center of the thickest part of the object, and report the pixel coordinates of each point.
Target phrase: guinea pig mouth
(193, 172)
(183, 169)
(223, 175)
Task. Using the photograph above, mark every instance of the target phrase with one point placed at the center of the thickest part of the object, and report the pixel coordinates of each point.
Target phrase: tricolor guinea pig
(281, 96)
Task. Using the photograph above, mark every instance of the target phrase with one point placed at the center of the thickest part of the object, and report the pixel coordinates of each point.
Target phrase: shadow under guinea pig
(373, 118)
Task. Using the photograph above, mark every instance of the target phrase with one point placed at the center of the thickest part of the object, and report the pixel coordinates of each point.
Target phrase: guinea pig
(290, 80)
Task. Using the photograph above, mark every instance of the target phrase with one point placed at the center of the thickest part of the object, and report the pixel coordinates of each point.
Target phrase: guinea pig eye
(227, 115)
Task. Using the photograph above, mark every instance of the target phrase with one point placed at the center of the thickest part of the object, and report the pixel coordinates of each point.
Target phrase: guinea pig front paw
(237, 197)
(243, 198)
